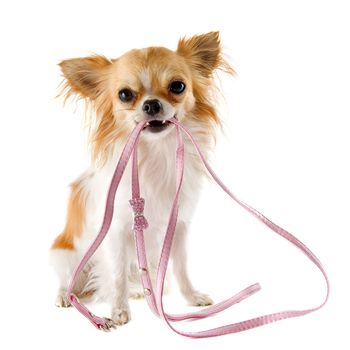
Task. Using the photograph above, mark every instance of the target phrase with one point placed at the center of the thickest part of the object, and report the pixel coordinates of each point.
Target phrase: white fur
(146, 80)
(113, 268)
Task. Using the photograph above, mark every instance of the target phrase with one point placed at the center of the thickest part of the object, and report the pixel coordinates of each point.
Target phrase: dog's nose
(152, 107)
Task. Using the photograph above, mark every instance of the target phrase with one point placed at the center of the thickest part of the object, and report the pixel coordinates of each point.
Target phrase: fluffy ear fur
(88, 78)
(203, 52)
(85, 75)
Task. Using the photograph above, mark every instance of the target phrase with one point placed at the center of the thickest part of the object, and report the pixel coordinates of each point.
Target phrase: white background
(285, 151)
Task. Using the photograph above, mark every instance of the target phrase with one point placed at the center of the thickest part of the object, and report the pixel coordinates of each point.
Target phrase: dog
(152, 84)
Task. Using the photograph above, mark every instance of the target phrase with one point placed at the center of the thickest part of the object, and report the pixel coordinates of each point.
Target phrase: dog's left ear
(203, 52)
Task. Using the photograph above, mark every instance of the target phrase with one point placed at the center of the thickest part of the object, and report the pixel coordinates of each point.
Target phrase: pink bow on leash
(138, 205)
(154, 296)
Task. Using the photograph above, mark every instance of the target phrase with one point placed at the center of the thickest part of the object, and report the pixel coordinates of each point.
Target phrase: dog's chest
(157, 176)
(157, 173)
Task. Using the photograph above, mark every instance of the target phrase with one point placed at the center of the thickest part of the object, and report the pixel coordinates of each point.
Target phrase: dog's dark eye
(126, 95)
(177, 87)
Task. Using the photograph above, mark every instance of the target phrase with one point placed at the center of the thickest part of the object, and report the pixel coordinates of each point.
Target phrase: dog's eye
(126, 95)
(177, 87)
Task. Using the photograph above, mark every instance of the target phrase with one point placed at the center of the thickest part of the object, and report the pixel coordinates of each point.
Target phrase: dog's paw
(121, 316)
(62, 300)
(109, 324)
(199, 299)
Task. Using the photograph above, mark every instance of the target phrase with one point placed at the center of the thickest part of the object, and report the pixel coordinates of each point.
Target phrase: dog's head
(152, 84)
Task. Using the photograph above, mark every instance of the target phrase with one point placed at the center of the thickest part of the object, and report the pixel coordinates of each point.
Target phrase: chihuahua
(153, 84)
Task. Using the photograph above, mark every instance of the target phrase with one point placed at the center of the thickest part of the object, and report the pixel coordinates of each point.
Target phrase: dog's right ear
(85, 76)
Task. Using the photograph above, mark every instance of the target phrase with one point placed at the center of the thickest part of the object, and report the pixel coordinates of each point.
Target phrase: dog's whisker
(125, 109)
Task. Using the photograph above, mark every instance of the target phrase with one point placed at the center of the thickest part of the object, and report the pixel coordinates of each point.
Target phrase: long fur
(112, 273)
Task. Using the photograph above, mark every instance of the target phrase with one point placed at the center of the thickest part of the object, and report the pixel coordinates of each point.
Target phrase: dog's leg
(179, 258)
(64, 253)
(63, 261)
(120, 260)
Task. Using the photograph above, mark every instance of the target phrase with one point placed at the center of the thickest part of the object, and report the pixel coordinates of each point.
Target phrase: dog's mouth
(157, 125)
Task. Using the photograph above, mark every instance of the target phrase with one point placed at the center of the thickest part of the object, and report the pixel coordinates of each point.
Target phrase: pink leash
(153, 296)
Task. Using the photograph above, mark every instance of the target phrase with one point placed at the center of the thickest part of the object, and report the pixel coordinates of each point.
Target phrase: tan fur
(85, 76)
(75, 219)
(203, 54)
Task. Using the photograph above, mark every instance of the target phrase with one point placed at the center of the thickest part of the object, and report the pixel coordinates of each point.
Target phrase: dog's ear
(85, 76)
(203, 52)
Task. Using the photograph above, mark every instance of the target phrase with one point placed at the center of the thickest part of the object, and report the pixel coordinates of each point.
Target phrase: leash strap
(99, 322)
(155, 297)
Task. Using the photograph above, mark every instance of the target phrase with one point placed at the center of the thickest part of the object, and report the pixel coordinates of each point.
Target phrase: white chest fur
(157, 184)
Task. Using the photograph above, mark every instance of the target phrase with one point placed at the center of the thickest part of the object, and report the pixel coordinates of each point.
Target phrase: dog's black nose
(152, 107)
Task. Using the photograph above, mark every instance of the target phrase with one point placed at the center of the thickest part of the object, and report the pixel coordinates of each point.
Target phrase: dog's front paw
(62, 300)
(108, 325)
(121, 316)
(199, 299)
